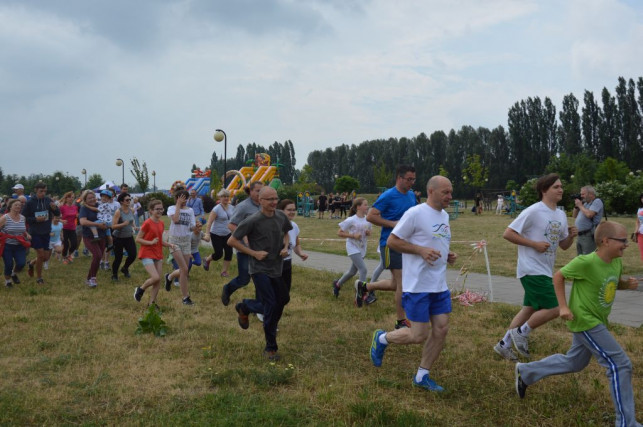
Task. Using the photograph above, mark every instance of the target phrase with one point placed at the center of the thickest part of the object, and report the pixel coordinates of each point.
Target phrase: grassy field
(70, 356)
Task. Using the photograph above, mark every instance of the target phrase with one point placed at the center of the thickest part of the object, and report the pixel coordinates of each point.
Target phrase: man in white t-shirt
(538, 231)
(423, 237)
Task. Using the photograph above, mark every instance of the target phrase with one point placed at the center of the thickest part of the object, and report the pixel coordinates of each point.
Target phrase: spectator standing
(588, 212)
(322, 205)
(639, 226)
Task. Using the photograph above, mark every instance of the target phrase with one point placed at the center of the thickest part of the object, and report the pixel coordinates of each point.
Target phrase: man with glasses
(38, 212)
(242, 211)
(267, 234)
(386, 212)
(588, 211)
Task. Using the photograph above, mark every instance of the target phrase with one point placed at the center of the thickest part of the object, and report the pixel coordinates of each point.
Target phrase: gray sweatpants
(357, 265)
(597, 342)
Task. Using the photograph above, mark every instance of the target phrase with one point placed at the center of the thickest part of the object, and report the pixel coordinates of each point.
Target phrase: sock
(382, 339)
(420, 374)
(506, 340)
(524, 329)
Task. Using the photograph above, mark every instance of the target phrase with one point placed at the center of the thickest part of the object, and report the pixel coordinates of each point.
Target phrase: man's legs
(272, 294)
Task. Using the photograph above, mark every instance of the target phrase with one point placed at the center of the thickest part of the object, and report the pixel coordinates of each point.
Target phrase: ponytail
(356, 203)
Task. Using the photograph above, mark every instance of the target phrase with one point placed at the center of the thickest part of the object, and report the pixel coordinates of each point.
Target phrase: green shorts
(539, 292)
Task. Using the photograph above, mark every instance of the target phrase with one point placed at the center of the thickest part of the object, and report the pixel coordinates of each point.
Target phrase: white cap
(18, 187)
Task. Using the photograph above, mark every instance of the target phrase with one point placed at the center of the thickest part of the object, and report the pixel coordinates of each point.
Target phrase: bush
(159, 195)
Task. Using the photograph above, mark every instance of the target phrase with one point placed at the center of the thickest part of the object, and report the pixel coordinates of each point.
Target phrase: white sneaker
(505, 353)
(260, 317)
(520, 342)
(46, 265)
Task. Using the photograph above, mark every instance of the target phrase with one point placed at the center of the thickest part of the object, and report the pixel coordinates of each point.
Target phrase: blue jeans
(244, 277)
(17, 253)
(273, 296)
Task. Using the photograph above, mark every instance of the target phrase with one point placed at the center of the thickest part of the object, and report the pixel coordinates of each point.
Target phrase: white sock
(507, 339)
(524, 330)
(382, 339)
(421, 373)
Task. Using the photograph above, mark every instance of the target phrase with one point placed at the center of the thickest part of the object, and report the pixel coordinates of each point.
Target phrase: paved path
(627, 309)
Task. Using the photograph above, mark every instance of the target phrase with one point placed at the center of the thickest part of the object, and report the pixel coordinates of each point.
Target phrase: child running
(55, 240)
(356, 230)
(150, 237)
(595, 278)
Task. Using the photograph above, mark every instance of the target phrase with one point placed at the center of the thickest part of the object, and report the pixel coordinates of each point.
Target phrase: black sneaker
(187, 301)
(370, 298)
(15, 279)
(126, 273)
(168, 282)
(225, 295)
(242, 318)
(521, 387)
(360, 290)
(138, 293)
(114, 278)
(399, 324)
(40, 281)
(336, 288)
(271, 356)
(8, 284)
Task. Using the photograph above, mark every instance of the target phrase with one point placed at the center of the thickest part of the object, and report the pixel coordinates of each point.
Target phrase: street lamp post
(84, 172)
(219, 136)
(154, 176)
(120, 162)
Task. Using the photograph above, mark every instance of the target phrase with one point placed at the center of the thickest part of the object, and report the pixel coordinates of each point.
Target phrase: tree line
(536, 136)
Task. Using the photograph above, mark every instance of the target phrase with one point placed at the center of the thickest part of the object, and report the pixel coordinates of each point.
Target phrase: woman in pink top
(69, 214)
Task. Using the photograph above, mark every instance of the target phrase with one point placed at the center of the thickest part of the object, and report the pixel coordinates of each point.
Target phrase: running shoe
(520, 342)
(505, 352)
(427, 384)
(377, 348)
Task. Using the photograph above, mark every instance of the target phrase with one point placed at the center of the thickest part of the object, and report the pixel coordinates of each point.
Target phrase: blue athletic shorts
(419, 307)
(391, 260)
(40, 241)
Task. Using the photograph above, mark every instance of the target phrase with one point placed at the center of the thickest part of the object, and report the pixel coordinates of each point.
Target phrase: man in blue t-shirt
(386, 212)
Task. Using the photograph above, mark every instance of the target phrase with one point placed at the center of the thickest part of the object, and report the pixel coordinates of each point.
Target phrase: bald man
(423, 236)
(267, 235)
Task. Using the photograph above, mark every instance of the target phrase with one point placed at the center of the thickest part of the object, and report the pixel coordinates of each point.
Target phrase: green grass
(70, 355)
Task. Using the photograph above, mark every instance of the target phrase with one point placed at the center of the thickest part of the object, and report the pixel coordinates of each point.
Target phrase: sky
(84, 82)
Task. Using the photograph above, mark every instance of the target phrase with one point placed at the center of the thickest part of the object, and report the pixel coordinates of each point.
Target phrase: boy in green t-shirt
(595, 277)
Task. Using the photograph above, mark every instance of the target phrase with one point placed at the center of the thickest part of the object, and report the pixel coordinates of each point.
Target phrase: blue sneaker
(427, 384)
(377, 348)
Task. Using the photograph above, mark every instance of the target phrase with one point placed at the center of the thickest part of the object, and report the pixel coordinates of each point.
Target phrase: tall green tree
(570, 126)
(95, 180)
(139, 172)
(591, 124)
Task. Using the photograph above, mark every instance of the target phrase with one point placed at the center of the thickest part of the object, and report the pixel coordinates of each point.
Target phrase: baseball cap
(18, 187)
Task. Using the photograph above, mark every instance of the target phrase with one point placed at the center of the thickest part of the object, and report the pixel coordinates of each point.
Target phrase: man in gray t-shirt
(588, 211)
(242, 211)
(267, 234)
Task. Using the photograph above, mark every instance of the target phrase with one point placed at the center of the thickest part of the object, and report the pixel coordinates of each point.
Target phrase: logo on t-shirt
(552, 234)
(441, 231)
(608, 291)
